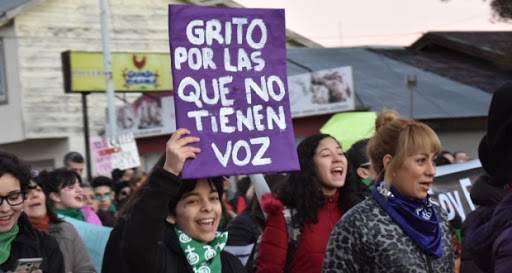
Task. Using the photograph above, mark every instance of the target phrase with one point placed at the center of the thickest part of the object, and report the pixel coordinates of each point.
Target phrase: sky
(345, 23)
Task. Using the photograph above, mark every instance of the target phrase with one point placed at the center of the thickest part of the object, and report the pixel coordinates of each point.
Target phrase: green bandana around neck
(366, 181)
(73, 213)
(203, 258)
(5, 242)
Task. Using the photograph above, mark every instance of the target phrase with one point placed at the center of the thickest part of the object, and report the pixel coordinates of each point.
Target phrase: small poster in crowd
(110, 153)
(230, 89)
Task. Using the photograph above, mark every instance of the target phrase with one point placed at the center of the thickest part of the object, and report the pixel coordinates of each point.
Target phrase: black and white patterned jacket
(367, 240)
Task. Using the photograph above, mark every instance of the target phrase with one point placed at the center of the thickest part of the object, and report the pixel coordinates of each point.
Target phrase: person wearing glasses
(18, 239)
(102, 186)
(360, 174)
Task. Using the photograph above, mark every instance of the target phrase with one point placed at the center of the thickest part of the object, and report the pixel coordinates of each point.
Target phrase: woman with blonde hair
(398, 229)
(385, 117)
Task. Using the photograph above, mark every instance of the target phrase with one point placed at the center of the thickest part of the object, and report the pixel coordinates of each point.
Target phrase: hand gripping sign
(230, 89)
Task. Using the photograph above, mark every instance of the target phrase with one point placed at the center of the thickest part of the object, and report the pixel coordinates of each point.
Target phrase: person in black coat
(169, 222)
(18, 239)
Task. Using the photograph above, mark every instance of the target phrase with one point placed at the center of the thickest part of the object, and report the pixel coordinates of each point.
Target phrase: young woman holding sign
(170, 224)
(301, 218)
(398, 229)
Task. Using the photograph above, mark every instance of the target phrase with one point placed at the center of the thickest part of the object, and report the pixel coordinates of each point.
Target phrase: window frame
(3, 75)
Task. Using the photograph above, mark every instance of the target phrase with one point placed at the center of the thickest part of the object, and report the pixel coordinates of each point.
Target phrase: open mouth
(33, 205)
(206, 223)
(337, 171)
(426, 184)
(79, 198)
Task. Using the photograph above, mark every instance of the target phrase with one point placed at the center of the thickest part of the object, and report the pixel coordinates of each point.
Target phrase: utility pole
(411, 81)
(107, 70)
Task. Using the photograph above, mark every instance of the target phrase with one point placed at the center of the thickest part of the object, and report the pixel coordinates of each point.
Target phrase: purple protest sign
(230, 89)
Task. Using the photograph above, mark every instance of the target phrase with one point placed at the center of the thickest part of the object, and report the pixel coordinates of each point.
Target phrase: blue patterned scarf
(417, 219)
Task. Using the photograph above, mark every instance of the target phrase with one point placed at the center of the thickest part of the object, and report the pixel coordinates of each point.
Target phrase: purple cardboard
(231, 90)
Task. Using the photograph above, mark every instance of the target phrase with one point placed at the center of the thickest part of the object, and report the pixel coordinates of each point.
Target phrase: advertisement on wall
(321, 92)
(131, 72)
(147, 116)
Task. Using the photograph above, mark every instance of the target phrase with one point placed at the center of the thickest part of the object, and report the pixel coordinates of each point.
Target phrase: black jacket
(142, 241)
(31, 243)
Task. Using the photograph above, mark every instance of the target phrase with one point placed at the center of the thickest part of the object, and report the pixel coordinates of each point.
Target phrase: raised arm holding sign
(229, 70)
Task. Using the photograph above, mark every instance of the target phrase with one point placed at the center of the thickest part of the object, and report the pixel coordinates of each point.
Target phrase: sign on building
(230, 79)
(131, 72)
(147, 116)
(322, 92)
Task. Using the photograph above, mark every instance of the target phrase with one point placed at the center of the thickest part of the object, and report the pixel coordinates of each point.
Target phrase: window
(3, 77)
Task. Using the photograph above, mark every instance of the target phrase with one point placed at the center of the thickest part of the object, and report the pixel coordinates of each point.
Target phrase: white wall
(39, 150)
(11, 119)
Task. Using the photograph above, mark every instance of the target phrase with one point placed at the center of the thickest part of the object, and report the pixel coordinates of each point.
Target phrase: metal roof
(10, 8)
(7, 5)
(379, 82)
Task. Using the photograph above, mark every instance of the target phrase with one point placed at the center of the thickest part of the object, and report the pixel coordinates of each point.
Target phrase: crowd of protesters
(362, 209)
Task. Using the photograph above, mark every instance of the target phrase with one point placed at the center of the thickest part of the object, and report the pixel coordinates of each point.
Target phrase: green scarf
(5, 243)
(366, 181)
(73, 213)
(203, 258)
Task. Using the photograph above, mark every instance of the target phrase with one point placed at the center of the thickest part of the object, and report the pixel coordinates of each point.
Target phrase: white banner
(321, 92)
(110, 153)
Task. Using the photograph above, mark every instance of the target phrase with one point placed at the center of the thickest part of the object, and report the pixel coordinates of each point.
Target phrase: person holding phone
(18, 239)
(171, 224)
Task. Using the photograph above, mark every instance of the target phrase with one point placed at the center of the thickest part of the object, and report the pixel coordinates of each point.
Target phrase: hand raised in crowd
(178, 150)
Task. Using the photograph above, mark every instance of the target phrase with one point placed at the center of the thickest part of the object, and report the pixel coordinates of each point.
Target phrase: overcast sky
(380, 22)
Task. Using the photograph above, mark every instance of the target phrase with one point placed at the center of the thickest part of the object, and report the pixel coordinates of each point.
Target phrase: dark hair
(120, 186)
(54, 219)
(56, 180)
(75, 157)
(188, 185)
(303, 189)
(135, 196)
(441, 160)
(101, 180)
(357, 154)
(116, 175)
(11, 164)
